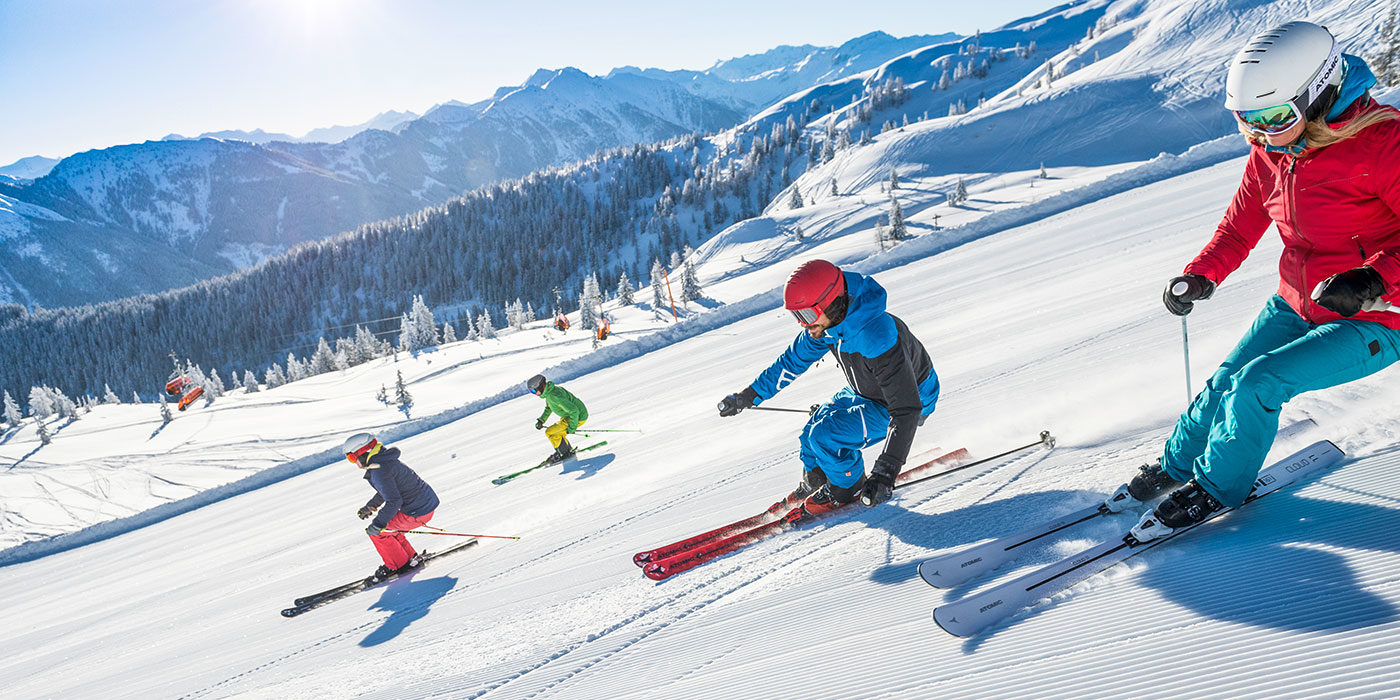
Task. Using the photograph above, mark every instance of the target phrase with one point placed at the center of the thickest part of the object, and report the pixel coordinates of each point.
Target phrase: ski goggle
(354, 457)
(1270, 120)
(806, 317)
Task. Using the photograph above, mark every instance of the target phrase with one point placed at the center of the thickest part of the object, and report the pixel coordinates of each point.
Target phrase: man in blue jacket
(404, 502)
(891, 384)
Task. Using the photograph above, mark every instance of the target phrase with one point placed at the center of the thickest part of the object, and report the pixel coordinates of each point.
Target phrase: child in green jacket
(560, 402)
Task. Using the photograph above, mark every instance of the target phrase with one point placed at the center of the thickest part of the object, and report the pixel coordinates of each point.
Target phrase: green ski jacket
(559, 401)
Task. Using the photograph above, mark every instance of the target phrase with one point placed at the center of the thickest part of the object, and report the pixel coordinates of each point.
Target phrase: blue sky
(81, 74)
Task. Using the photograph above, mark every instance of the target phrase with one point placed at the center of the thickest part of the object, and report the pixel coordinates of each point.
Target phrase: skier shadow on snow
(407, 600)
(1275, 564)
(585, 468)
(947, 531)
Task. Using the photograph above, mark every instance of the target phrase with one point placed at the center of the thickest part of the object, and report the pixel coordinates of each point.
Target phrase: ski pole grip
(1180, 288)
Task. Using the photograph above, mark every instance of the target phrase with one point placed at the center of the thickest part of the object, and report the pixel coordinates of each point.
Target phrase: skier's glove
(1182, 291)
(879, 486)
(733, 403)
(373, 530)
(539, 424)
(877, 490)
(569, 427)
(365, 512)
(1351, 292)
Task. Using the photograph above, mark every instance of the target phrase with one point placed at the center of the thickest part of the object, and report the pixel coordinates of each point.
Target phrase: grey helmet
(358, 445)
(1299, 63)
(535, 384)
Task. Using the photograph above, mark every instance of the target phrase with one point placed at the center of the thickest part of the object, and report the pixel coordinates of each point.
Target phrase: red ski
(664, 561)
(774, 512)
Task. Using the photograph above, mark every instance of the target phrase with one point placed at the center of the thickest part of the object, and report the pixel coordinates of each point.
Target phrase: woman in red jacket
(1325, 169)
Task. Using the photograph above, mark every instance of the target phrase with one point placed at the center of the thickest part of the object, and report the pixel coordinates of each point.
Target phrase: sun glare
(311, 19)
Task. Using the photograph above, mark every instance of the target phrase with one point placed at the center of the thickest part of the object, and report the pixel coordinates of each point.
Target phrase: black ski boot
(1150, 481)
(382, 573)
(1186, 506)
(561, 453)
(414, 562)
(812, 479)
(830, 497)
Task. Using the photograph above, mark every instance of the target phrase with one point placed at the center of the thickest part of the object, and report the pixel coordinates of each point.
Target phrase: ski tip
(641, 558)
(291, 612)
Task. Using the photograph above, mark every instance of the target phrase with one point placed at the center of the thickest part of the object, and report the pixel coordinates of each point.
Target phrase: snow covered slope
(187, 606)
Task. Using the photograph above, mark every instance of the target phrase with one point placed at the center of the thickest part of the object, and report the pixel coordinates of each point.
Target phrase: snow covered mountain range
(146, 217)
(386, 121)
(29, 168)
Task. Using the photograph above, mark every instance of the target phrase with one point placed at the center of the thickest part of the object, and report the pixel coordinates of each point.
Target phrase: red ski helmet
(811, 288)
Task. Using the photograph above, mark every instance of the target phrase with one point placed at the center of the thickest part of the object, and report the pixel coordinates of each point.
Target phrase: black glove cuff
(1376, 285)
(748, 394)
(885, 470)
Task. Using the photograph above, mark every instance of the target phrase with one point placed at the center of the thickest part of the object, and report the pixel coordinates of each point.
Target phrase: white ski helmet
(359, 445)
(1298, 64)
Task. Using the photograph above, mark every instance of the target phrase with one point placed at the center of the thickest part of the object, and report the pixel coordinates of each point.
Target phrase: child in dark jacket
(404, 501)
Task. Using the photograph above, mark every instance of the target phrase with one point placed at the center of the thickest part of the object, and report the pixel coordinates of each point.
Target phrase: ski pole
(606, 430)
(1178, 289)
(1186, 356)
(453, 534)
(808, 411)
(1046, 439)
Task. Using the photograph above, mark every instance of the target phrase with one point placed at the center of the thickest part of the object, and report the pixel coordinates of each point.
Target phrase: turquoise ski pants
(1223, 437)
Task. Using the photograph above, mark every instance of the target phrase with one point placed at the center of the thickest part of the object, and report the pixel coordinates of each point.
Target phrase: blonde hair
(1317, 133)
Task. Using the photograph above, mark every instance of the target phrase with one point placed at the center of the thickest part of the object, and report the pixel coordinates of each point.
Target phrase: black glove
(1179, 298)
(877, 490)
(365, 512)
(879, 486)
(539, 424)
(1348, 293)
(733, 403)
(373, 530)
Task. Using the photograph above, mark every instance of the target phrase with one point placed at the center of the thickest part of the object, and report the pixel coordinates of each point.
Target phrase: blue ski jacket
(397, 488)
(881, 358)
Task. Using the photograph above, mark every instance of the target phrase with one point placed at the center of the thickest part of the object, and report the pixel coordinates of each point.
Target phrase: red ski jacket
(1336, 208)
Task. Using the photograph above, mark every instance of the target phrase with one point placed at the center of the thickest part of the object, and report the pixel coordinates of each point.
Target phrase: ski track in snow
(694, 493)
(726, 576)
